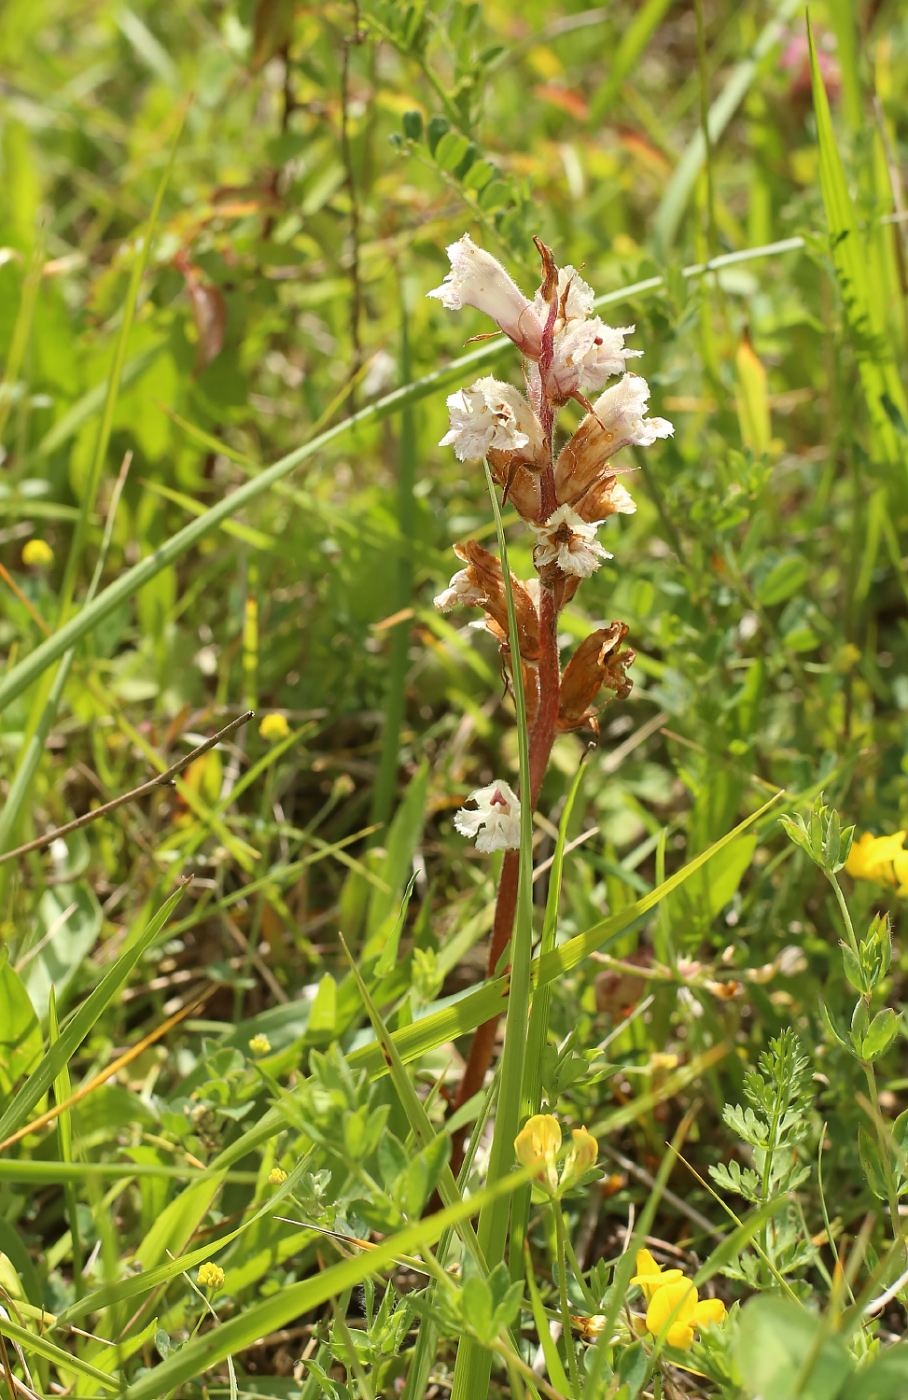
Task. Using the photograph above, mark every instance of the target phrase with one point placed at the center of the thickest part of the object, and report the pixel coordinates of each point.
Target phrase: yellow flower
(651, 1276)
(681, 1299)
(581, 1157)
(210, 1276)
(872, 857)
(537, 1146)
(276, 1176)
(37, 554)
(274, 727)
(260, 1044)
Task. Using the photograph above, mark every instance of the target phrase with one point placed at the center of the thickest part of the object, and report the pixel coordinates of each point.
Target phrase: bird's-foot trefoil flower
(676, 1312)
(538, 1147)
(495, 820)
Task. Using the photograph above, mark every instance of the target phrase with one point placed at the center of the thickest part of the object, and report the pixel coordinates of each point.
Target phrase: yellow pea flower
(651, 1275)
(537, 1146)
(682, 1300)
(581, 1157)
(872, 857)
(260, 1044)
(276, 1176)
(210, 1276)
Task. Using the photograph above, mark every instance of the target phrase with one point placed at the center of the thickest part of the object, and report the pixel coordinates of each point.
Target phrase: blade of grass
(78, 1027)
(472, 1368)
(395, 695)
(678, 191)
(62, 1095)
(538, 1029)
(883, 391)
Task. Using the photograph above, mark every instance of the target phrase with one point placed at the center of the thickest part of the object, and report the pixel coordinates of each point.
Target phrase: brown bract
(519, 478)
(484, 573)
(596, 663)
(583, 461)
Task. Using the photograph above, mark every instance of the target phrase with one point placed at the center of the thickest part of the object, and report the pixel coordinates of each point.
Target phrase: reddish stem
(541, 740)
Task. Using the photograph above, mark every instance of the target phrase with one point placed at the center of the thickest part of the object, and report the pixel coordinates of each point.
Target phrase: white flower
(575, 307)
(462, 589)
(491, 414)
(479, 280)
(622, 412)
(586, 354)
(496, 821)
(570, 541)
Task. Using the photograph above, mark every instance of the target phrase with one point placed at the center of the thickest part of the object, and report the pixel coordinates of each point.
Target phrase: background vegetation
(217, 227)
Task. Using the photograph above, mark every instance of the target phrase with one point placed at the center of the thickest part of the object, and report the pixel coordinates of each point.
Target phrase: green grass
(217, 227)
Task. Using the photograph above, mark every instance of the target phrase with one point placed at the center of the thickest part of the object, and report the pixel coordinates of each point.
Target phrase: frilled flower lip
(491, 416)
(495, 821)
(569, 541)
(586, 355)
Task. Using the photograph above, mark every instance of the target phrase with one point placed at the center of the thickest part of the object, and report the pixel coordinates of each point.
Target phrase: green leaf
(20, 1033)
(881, 1034)
(781, 1352)
(788, 576)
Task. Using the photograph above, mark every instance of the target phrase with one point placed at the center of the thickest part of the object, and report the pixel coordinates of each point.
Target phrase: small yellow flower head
(537, 1146)
(210, 1276)
(871, 857)
(260, 1044)
(276, 1176)
(37, 554)
(681, 1299)
(650, 1276)
(581, 1157)
(274, 727)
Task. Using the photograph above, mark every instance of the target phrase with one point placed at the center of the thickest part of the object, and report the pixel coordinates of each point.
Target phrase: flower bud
(537, 1146)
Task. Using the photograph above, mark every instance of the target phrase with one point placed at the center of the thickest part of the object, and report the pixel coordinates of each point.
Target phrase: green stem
(561, 1262)
(846, 917)
(885, 1160)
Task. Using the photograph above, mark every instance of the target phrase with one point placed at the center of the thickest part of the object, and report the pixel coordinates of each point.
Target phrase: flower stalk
(564, 500)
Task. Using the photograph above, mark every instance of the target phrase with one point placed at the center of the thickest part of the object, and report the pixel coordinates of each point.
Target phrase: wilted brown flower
(481, 584)
(596, 663)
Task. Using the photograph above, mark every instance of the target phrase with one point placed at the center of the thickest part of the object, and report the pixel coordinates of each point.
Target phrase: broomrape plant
(565, 496)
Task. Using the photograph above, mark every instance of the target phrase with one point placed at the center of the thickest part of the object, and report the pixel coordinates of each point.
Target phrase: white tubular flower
(461, 590)
(622, 412)
(496, 821)
(587, 353)
(479, 280)
(575, 306)
(491, 414)
(569, 541)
